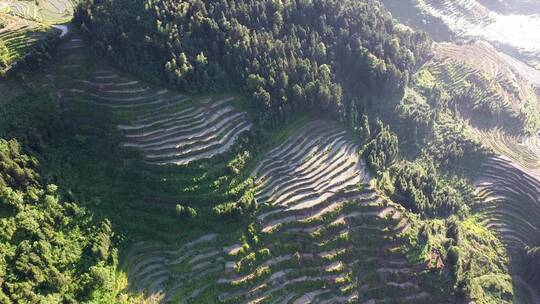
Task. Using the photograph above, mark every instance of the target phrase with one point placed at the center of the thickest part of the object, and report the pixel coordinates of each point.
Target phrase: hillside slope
(510, 26)
(269, 152)
(322, 235)
(494, 99)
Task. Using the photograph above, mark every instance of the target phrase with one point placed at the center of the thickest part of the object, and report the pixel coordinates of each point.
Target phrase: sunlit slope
(332, 237)
(43, 11)
(498, 99)
(493, 100)
(26, 28)
(509, 186)
(485, 58)
(510, 25)
(322, 234)
(483, 86)
(18, 37)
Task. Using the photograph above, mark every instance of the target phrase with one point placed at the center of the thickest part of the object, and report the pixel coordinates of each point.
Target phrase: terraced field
(322, 234)
(487, 87)
(510, 187)
(328, 254)
(484, 58)
(43, 11)
(181, 274)
(26, 24)
(476, 19)
(18, 37)
(523, 150)
(167, 127)
(511, 202)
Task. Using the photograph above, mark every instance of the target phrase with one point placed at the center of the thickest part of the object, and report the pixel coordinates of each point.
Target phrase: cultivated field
(43, 11)
(322, 234)
(484, 58)
(24, 25)
(169, 128)
(523, 150)
(17, 38)
(511, 202)
(510, 187)
(509, 26)
(484, 86)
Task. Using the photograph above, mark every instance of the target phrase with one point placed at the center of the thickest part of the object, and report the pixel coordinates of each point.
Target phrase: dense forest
(51, 250)
(342, 57)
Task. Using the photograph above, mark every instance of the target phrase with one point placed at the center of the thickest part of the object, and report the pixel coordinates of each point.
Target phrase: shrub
(186, 212)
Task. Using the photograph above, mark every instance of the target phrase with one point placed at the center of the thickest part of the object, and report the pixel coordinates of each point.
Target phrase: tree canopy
(51, 250)
(341, 56)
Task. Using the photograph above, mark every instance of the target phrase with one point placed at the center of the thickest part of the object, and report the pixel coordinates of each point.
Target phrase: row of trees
(341, 56)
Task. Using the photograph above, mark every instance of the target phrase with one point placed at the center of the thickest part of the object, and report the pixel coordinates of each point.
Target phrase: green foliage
(230, 210)
(465, 252)
(238, 164)
(4, 55)
(382, 150)
(45, 241)
(481, 270)
(417, 118)
(453, 148)
(16, 168)
(429, 128)
(185, 212)
(29, 118)
(289, 56)
(420, 187)
(245, 202)
(365, 128)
